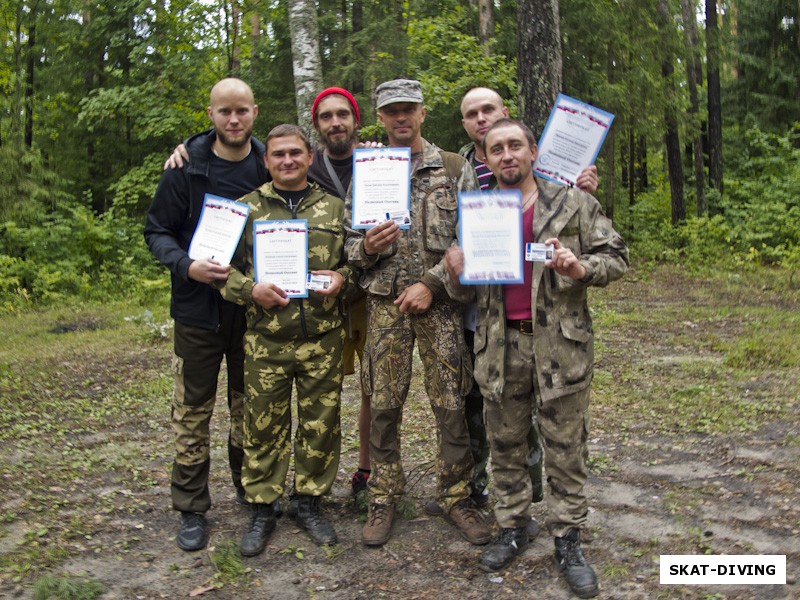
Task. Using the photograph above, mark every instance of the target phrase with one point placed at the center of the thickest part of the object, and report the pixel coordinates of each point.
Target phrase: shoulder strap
(334, 177)
(453, 164)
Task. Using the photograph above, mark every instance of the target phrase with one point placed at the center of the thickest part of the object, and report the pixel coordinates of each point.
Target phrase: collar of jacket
(554, 208)
(468, 151)
(199, 148)
(267, 191)
(431, 156)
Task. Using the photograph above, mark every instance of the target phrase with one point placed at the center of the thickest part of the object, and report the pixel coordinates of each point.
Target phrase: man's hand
(588, 180)
(175, 160)
(380, 237)
(337, 281)
(415, 299)
(268, 295)
(206, 270)
(564, 262)
(454, 262)
(370, 144)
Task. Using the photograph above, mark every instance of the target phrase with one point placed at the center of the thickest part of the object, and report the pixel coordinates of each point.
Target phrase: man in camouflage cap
(291, 341)
(404, 278)
(534, 346)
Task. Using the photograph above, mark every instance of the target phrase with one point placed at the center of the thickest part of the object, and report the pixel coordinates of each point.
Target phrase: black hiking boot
(262, 524)
(193, 534)
(510, 542)
(309, 517)
(569, 557)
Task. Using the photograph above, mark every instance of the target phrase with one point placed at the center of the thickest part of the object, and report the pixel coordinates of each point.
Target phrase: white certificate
(280, 255)
(490, 234)
(381, 186)
(218, 230)
(571, 140)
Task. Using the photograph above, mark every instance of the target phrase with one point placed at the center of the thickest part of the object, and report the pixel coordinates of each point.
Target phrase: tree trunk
(692, 70)
(634, 175)
(306, 62)
(714, 98)
(610, 141)
(671, 138)
(357, 23)
(29, 80)
(641, 164)
(485, 22)
(538, 60)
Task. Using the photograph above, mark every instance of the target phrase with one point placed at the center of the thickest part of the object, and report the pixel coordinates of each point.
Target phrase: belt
(524, 326)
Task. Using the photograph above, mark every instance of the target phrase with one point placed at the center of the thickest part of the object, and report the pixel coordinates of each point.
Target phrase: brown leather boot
(469, 522)
(378, 528)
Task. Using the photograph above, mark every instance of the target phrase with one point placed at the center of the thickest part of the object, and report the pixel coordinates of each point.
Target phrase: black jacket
(171, 222)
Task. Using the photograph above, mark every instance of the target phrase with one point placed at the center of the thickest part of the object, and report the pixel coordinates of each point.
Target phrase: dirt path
(661, 482)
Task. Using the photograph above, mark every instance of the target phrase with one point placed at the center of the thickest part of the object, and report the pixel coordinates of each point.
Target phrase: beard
(337, 147)
(234, 143)
(511, 178)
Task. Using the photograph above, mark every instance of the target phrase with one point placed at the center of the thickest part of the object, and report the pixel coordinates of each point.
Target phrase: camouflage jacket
(417, 255)
(562, 325)
(303, 317)
(468, 152)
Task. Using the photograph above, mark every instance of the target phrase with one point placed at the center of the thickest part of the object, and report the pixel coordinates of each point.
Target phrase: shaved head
(231, 85)
(481, 95)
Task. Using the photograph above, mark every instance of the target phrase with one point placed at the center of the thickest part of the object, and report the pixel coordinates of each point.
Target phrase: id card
(535, 252)
(401, 217)
(318, 282)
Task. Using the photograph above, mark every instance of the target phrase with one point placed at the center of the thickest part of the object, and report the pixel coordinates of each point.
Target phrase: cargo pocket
(575, 354)
(440, 219)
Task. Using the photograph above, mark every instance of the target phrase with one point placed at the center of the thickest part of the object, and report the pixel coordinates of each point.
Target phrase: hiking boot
(378, 528)
(359, 481)
(433, 508)
(569, 558)
(193, 534)
(291, 508)
(262, 524)
(510, 542)
(532, 528)
(309, 518)
(469, 522)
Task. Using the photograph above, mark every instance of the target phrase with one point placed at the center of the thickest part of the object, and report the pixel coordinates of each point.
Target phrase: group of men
(394, 287)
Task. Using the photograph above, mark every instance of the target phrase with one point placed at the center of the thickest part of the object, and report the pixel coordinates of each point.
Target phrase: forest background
(701, 165)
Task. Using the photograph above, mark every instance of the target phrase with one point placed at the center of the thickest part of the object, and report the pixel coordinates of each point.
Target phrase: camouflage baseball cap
(399, 90)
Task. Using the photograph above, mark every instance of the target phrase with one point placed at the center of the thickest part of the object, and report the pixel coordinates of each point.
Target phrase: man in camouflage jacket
(406, 302)
(288, 342)
(546, 359)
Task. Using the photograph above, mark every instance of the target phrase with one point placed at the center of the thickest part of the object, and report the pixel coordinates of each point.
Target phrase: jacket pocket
(440, 218)
(575, 352)
(380, 283)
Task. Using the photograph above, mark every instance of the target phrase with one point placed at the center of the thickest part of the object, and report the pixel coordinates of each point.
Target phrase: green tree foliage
(766, 84)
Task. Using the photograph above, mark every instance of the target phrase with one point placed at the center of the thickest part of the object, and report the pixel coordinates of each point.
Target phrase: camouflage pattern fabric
(195, 367)
(272, 366)
(387, 376)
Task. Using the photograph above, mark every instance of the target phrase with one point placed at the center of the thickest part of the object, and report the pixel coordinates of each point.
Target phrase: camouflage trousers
(272, 366)
(196, 365)
(479, 444)
(387, 377)
(564, 425)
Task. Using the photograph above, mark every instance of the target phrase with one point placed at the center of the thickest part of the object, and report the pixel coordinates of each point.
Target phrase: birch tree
(306, 62)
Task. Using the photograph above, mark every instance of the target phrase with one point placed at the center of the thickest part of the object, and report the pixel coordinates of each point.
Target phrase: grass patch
(228, 562)
(66, 587)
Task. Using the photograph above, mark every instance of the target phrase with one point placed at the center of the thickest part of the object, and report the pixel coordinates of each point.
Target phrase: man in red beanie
(336, 119)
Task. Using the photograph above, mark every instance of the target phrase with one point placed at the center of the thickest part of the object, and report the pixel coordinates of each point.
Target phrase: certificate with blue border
(219, 229)
(280, 255)
(381, 186)
(571, 140)
(490, 235)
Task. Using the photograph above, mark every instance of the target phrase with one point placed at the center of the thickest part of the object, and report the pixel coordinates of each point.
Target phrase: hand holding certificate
(571, 140)
(218, 230)
(280, 255)
(490, 233)
(381, 186)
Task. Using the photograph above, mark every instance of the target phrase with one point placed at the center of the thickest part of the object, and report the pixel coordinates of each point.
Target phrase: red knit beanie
(341, 92)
